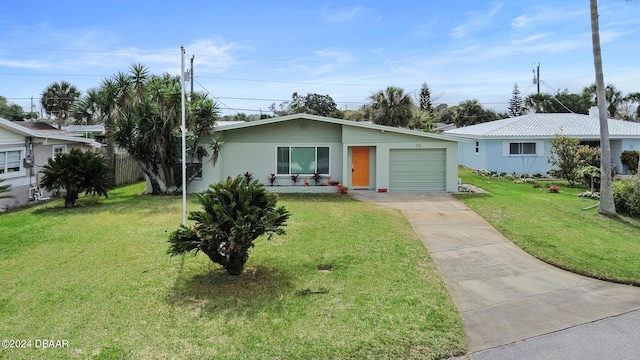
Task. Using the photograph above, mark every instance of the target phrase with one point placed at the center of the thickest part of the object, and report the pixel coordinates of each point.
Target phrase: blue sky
(249, 54)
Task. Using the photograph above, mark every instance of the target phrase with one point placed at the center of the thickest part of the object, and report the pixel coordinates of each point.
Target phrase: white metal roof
(9, 125)
(546, 126)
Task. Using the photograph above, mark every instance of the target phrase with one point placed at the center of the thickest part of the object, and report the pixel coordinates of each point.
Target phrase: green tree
(613, 96)
(4, 189)
(391, 107)
(607, 205)
(11, 111)
(471, 112)
(58, 98)
(146, 112)
(77, 172)
(561, 102)
(516, 103)
(562, 156)
(233, 215)
(426, 103)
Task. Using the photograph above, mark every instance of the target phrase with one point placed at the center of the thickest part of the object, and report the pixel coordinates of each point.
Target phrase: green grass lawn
(554, 228)
(99, 277)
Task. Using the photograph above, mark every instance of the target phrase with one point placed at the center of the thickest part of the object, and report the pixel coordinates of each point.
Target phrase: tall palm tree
(391, 107)
(607, 205)
(58, 98)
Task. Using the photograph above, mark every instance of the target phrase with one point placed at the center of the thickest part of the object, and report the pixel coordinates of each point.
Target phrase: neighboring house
(521, 144)
(24, 148)
(360, 155)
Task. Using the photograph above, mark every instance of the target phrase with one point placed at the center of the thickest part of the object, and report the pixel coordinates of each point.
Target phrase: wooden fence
(126, 169)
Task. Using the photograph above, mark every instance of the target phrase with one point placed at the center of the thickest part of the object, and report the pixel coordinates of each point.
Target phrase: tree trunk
(607, 205)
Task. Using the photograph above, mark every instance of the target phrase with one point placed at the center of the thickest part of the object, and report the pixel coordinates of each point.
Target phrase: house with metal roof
(521, 144)
(359, 155)
(25, 147)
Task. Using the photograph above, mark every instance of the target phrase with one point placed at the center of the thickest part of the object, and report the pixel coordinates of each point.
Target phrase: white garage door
(417, 170)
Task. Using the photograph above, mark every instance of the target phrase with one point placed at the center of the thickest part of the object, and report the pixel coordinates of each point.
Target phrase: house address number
(418, 145)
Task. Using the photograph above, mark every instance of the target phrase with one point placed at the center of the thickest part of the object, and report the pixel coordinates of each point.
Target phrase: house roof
(47, 133)
(547, 126)
(359, 124)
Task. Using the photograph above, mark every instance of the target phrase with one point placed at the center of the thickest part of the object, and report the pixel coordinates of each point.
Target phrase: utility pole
(191, 75)
(183, 130)
(536, 77)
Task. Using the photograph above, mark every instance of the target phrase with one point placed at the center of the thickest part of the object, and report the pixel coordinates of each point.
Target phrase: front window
(10, 161)
(59, 149)
(522, 148)
(302, 160)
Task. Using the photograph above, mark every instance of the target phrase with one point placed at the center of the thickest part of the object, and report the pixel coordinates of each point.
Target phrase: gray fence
(126, 169)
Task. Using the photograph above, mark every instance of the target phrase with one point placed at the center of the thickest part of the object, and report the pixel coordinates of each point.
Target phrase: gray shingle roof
(546, 126)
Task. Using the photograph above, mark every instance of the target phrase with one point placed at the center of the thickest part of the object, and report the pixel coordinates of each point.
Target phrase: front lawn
(554, 228)
(349, 280)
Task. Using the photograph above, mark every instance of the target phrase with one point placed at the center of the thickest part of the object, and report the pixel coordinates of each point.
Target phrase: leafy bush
(562, 155)
(554, 189)
(76, 172)
(233, 215)
(629, 158)
(626, 195)
(589, 156)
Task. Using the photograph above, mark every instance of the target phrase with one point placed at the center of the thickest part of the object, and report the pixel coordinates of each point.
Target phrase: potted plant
(345, 189)
(316, 177)
(272, 179)
(294, 178)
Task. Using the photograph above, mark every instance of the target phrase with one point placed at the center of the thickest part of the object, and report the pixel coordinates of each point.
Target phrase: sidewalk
(504, 294)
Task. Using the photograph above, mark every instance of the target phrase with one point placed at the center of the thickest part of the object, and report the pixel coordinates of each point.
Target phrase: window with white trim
(305, 160)
(59, 149)
(522, 148)
(10, 161)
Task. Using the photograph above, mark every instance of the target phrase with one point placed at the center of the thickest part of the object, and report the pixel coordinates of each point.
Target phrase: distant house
(24, 148)
(521, 144)
(360, 155)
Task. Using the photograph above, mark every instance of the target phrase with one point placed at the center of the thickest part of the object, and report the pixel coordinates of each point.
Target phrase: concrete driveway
(504, 294)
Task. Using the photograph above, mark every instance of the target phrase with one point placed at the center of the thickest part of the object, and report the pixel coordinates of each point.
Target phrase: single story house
(521, 144)
(358, 154)
(24, 148)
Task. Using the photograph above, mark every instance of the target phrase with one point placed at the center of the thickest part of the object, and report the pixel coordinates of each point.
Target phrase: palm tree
(391, 107)
(612, 95)
(58, 98)
(469, 112)
(607, 205)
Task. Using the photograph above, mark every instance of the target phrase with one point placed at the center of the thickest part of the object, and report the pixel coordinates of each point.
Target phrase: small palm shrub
(626, 195)
(233, 215)
(77, 172)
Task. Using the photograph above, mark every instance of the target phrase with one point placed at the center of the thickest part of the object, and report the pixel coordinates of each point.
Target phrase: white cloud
(343, 14)
(476, 20)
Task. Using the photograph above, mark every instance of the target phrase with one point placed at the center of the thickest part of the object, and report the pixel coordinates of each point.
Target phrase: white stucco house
(521, 144)
(360, 155)
(24, 148)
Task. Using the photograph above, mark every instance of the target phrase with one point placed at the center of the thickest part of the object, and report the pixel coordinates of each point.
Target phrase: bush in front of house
(233, 215)
(76, 172)
(629, 158)
(626, 195)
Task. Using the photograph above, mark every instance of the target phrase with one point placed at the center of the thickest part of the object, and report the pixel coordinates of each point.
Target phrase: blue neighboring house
(521, 144)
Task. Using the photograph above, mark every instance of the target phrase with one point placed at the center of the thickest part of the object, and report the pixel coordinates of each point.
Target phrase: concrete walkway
(504, 294)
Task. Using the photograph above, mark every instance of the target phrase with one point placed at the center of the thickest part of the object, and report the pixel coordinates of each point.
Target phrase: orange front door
(360, 166)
